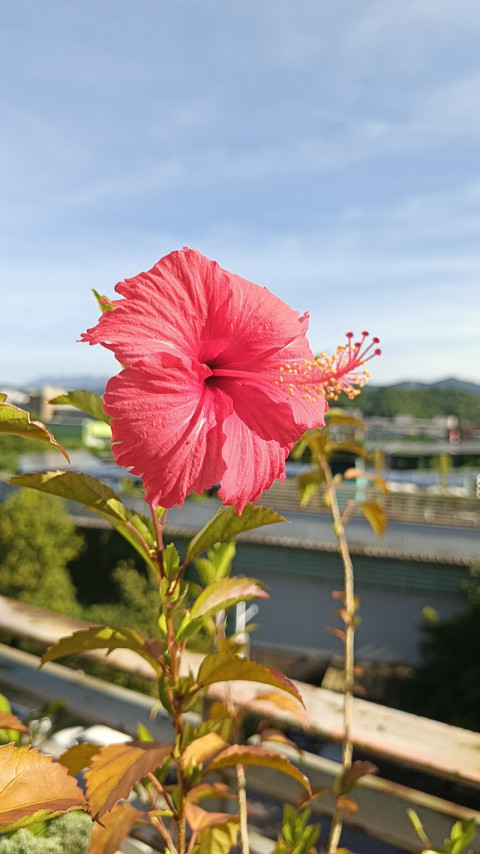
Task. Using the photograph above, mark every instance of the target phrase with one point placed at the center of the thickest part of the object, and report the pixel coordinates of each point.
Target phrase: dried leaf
(33, 787)
(116, 769)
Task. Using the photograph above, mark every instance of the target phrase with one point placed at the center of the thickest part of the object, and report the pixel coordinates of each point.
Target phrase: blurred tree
(37, 540)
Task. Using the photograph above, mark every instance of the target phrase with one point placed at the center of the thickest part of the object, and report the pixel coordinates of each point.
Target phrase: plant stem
(349, 658)
(242, 808)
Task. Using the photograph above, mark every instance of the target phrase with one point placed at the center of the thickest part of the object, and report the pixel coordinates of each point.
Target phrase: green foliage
(67, 833)
(461, 835)
(420, 403)
(297, 837)
(37, 540)
(100, 499)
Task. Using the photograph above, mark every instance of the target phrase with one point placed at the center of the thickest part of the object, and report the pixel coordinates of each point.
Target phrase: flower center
(325, 376)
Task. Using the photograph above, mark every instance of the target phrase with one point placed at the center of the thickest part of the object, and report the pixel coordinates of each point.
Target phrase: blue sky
(328, 149)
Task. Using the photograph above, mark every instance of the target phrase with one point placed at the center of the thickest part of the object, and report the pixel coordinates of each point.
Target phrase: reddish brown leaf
(240, 754)
(200, 819)
(9, 721)
(210, 790)
(33, 787)
(116, 769)
(106, 838)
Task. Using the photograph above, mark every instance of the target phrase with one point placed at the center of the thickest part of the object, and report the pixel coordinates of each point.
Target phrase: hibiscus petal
(167, 427)
(252, 463)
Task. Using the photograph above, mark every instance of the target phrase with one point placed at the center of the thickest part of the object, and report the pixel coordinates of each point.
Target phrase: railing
(438, 750)
(421, 506)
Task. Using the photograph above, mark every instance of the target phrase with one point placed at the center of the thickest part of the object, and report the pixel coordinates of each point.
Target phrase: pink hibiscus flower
(219, 381)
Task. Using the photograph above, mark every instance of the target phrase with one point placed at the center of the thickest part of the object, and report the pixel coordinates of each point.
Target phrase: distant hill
(449, 382)
(421, 400)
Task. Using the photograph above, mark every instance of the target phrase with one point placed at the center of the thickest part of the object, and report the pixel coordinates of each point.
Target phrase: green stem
(349, 659)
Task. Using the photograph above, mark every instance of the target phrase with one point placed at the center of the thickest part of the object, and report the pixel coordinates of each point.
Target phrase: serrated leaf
(104, 637)
(219, 596)
(222, 667)
(116, 769)
(240, 754)
(100, 499)
(86, 401)
(33, 787)
(375, 516)
(17, 422)
(77, 757)
(227, 524)
(116, 826)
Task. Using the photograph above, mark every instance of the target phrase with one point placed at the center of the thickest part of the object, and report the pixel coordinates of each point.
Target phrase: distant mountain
(449, 382)
(97, 384)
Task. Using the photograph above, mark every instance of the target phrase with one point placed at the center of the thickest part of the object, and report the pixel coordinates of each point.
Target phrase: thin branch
(349, 659)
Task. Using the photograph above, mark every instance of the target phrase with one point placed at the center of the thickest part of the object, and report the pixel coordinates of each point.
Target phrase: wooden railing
(440, 751)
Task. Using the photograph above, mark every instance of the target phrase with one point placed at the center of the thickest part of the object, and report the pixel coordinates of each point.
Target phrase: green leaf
(222, 667)
(171, 562)
(100, 499)
(376, 516)
(308, 485)
(227, 524)
(104, 637)
(86, 401)
(17, 422)
(218, 840)
(239, 754)
(218, 596)
(217, 564)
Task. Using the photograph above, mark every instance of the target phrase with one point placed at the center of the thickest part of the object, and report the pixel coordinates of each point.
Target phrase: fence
(442, 752)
